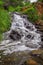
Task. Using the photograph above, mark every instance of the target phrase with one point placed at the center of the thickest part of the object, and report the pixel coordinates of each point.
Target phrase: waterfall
(33, 1)
(22, 36)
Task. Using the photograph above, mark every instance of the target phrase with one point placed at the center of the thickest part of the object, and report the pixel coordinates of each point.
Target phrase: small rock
(15, 35)
(41, 37)
(28, 36)
(31, 45)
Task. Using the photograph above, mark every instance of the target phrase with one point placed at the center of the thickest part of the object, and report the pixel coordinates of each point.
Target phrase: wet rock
(24, 16)
(28, 36)
(28, 27)
(40, 51)
(41, 56)
(17, 13)
(15, 35)
(37, 55)
(31, 45)
(41, 45)
(42, 37)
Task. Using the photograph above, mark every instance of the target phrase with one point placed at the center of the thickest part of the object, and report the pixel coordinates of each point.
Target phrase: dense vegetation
(40, 0)
(21, 6)
(4, 21)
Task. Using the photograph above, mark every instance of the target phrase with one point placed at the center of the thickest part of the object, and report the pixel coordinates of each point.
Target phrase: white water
(33, 1)
(9, 46)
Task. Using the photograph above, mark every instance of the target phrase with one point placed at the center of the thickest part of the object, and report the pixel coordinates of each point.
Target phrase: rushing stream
(33, 1)
(22, 36)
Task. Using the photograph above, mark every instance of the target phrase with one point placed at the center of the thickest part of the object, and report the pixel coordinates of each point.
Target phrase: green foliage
(16, 2)
(32, 13)
(11, 8)
(5, 21)
(18, 8)
(27, 4)
(1, 3)
(40, 0)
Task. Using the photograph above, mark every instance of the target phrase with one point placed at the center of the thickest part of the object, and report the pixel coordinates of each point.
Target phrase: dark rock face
(28, 36)
(27, 25)
(15, 35)
(31, 45)
(41, 37)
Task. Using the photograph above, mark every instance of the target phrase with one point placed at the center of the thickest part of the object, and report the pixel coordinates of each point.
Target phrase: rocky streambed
(20, 43)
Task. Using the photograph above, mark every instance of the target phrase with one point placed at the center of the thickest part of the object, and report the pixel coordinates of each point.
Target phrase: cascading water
(21, 37)
(33, 1)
